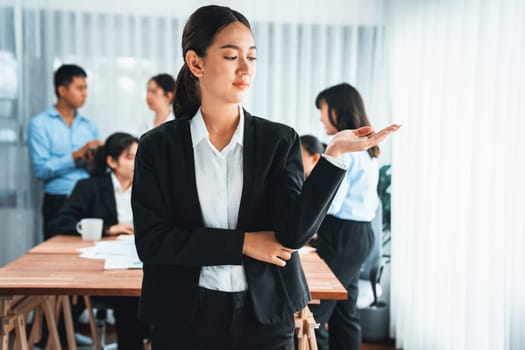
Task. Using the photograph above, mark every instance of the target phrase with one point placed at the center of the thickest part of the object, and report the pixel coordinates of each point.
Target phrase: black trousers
(344, 245)
(50, 207)
(225, 321)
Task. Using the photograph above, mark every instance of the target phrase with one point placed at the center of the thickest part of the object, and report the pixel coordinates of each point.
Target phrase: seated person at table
(311, 150)
(107, 195)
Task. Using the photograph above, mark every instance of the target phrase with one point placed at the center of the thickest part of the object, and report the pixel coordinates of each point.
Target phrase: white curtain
(121, 44)
(457, 78)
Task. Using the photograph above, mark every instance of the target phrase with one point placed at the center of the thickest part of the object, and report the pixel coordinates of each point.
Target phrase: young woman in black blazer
(95, 197)
(218, 192)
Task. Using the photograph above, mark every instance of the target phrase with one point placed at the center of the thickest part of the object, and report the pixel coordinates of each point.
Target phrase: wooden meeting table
(43, 279)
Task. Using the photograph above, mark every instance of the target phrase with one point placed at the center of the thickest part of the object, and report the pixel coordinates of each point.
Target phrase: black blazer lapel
(192, 196)
(248, 160)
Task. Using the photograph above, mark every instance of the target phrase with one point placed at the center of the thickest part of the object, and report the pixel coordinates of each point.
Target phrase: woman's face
(309, 161)
(329, 127)
(156, 97)
(125, 164)
(229, 66)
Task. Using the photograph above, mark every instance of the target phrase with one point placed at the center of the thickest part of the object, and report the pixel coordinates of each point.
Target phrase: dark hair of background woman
(114, 146)
(345, 103)
(312, 145)
(165, 82)
(199, 33)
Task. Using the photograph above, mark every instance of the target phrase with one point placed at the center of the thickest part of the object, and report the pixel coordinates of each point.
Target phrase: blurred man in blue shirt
(61, 141)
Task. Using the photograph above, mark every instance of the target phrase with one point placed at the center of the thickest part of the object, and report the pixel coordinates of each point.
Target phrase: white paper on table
(118, 254)
(126, 237)
(122, 262)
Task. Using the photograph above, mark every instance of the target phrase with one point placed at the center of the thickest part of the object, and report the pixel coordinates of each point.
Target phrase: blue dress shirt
(357, 199)
(51, 143)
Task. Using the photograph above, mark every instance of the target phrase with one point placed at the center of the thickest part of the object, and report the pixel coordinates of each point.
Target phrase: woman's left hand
(356, 140)
(120, 229)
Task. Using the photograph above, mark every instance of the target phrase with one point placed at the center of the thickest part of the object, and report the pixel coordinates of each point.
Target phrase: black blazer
(91, 198)
(173, 244)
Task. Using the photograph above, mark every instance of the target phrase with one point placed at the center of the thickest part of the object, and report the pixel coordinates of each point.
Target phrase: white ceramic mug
(90, 229)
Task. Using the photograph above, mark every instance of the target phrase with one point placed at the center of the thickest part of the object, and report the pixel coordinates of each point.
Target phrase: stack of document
(117, 254)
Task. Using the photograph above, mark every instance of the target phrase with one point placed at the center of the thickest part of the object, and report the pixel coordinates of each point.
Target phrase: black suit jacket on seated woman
(169, 232)
(91, 198)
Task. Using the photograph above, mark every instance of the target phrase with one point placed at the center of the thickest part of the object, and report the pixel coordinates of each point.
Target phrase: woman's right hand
(120, 229)
(360, 139)
(263, 246)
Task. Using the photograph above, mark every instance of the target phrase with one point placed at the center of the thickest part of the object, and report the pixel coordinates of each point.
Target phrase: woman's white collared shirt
(219, 177)
(122, 202)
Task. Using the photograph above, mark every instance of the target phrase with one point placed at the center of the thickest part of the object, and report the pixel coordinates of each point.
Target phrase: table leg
(312, 341)
(5, 307)
(4, 342)
(20, 330)
(311, 325)
(36, 329)
(91, 321)
(48, 303)
(305, 330)
(70, 330)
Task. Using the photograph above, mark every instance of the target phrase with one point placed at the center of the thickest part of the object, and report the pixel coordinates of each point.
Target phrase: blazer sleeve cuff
(334, 161)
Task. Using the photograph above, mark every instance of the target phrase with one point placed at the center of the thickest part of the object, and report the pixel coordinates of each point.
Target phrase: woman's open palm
(356, 140)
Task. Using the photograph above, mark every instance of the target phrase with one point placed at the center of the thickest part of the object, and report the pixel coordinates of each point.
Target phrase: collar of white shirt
(116, 184)
(199, 131)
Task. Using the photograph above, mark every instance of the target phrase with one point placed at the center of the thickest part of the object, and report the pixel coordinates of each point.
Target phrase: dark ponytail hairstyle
(346, 109)
(199, 33)
(165, 82)
(312, 145)
(114, 146)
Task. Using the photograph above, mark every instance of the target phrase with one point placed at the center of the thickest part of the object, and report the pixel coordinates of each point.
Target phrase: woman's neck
(161, 115)
(125, 183)
(221, 121)
(220, 118)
